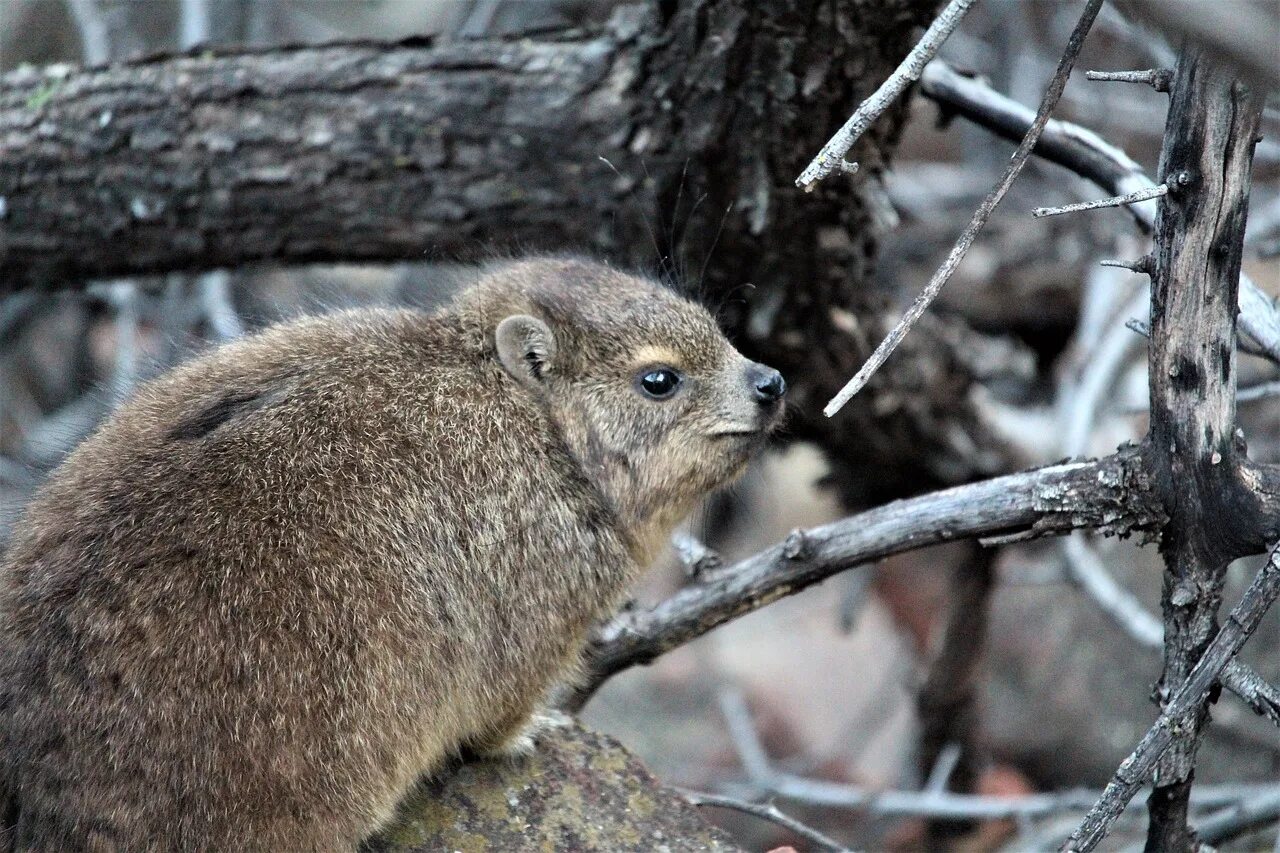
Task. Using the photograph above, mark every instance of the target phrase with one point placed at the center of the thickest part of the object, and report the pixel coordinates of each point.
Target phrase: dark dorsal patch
(231, 404)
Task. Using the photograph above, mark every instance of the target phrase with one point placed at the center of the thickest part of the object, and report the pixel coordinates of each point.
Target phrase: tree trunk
(1192, 449)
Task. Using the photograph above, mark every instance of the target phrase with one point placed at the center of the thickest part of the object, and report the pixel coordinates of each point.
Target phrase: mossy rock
(580, 791)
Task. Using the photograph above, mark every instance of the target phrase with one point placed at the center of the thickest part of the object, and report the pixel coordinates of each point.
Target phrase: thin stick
(1115, 201)
(768, 780)
(1135, 770)
(980, 216)
(1157, 78)
(764, 811)
(831, 158)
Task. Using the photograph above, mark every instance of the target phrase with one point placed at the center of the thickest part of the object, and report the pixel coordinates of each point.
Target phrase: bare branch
(943, 768)
(1138, 327)
(1115, 201)
(764, 811)
(980, 216)
(1157, 78)
(1135, 770)
(1109, 494)
(1210, 135)
(928, 803)
(1088, 155)
(831, 158)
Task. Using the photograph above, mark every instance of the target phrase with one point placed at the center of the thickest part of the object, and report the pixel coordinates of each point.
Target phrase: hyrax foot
(522, 740)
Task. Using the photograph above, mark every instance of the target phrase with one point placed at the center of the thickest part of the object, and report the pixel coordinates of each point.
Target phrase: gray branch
(979, 219)
(1091, 157)
(764, 811)
(1135, 770)
(1110, 495)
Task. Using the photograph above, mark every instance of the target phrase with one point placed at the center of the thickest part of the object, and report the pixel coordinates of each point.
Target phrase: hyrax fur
(294, 574)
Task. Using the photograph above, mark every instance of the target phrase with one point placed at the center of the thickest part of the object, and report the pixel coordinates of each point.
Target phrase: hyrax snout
(291, 576)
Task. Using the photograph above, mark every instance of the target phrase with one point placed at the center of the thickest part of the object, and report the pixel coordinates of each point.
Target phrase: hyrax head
(653, 401)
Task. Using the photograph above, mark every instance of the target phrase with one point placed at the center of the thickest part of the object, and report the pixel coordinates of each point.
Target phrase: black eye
(659, 383)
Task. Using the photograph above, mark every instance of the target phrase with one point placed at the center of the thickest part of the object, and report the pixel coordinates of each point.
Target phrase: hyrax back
(296, 573)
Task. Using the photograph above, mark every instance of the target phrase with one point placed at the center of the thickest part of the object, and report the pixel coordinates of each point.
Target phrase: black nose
(769, 385)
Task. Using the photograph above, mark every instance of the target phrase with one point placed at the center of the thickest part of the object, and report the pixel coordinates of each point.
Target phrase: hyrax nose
(768, 384)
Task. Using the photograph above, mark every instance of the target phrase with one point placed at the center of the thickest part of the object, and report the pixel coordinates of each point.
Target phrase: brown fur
(294, 574)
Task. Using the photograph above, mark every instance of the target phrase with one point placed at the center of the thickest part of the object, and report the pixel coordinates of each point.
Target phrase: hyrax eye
(659, 382)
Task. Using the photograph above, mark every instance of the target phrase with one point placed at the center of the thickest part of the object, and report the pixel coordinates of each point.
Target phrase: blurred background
(826, 681)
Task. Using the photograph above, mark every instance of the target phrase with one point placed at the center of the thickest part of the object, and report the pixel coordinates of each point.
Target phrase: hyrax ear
(526, 349)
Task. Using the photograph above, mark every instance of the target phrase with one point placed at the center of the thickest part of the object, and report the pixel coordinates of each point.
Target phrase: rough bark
(1210, 133)
(705, 110)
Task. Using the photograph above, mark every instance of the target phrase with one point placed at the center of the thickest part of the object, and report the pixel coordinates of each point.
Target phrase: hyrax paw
(548, 719)
(524, 741)
(521, 745)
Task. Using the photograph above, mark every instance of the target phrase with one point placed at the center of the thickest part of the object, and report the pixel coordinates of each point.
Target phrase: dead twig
(831, 158)
(767, 780)
(1115, 201)
(1157, 78)
(979, 218)
(1142, 266)
(764, 811)
(1262, 697)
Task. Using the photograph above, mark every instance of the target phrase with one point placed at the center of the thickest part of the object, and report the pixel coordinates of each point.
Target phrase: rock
(580, 791)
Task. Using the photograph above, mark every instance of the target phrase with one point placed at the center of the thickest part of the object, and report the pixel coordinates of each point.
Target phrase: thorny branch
(979, 218)
(1191, 449)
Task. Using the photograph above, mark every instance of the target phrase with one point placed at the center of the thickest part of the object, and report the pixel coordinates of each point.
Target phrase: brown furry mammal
(296, 573)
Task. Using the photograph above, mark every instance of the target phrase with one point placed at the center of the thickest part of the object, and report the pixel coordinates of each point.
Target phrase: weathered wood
(1110, 495)
(1208, 151)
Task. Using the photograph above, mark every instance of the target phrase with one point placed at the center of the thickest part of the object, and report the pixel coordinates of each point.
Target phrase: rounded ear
(526, 349)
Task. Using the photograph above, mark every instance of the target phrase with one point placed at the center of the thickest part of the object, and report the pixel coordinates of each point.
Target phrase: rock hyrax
(294, 574)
